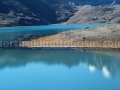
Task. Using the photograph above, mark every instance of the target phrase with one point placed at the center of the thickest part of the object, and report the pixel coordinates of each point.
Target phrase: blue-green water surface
(14, 33)
(59, 70)
(47, 29)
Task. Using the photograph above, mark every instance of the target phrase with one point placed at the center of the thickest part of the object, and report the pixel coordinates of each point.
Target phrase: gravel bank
(99, 37)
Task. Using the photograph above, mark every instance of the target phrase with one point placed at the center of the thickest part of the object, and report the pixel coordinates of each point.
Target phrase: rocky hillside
(96, 14)
(34, 12)
(44, 12)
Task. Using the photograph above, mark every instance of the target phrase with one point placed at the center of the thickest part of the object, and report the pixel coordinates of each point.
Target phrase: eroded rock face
(96, 14)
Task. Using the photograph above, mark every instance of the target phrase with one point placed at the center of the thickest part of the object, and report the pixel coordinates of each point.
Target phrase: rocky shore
(99, 37)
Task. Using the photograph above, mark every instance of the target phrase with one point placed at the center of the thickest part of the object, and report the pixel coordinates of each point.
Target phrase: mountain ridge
(35, 12)
(42, 12)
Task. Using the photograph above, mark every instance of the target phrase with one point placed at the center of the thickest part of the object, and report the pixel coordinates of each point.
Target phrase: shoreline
(58, 48)
(100, 37)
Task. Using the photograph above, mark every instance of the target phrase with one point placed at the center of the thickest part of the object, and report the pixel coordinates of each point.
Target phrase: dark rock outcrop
(34, 12)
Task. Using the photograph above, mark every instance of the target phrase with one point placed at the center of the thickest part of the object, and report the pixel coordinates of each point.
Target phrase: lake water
(56, 69)
(14, 33)
(50, 29)
(59, 70)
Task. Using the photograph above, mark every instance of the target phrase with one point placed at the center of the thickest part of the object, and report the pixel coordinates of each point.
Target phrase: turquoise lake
(56, 69)
(59, 70)
(50, 29)
(13, 33)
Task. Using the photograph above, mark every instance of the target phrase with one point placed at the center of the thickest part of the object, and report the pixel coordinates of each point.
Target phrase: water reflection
(109, 65)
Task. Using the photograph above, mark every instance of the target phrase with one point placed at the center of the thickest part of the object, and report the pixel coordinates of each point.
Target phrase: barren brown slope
(102, 37)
